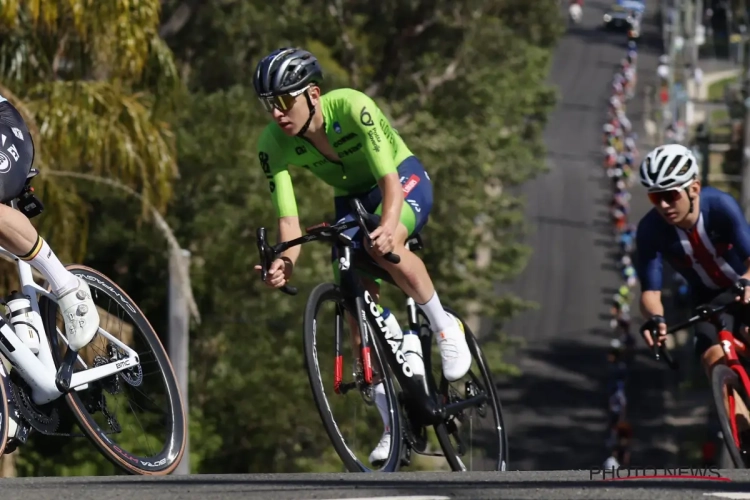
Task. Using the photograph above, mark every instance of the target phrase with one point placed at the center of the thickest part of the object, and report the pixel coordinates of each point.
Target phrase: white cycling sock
(381, 401)
(439, 320)
(44, 260)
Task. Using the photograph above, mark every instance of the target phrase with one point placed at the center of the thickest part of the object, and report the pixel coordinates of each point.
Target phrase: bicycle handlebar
(705, 312)
(267, 256)
(366, 221)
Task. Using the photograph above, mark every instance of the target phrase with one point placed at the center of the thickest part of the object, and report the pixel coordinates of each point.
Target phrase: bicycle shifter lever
(266, 258)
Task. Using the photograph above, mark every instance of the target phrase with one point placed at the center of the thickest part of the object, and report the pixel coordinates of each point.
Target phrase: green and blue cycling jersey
(369, 149)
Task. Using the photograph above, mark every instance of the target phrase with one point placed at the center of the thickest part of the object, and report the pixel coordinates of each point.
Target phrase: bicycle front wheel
(475, 439)
(338, 396)
(150, 438)
(723, 381)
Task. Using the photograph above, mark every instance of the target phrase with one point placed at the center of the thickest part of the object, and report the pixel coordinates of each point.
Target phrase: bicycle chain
(38, 419)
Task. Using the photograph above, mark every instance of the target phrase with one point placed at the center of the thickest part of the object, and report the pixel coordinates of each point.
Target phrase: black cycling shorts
(16, 152)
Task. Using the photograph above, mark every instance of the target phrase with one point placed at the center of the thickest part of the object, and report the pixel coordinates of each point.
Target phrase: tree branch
(336, 9)
(59, 54)
(423, 17)
(174, 245)
(179, 17)
(426, 90)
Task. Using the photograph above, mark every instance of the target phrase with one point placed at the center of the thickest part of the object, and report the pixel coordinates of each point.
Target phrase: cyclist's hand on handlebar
(279, 273)
(745, 295)
(382, 238)
(658, 323)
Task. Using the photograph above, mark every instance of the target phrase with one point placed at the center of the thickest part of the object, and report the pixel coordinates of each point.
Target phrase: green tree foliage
(464, 85)
(93, 81)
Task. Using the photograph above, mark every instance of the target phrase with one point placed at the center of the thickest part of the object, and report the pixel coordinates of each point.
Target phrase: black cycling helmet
(285, 71)
(282, 75)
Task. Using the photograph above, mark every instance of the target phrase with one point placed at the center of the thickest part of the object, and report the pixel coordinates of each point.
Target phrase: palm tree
(95, 84)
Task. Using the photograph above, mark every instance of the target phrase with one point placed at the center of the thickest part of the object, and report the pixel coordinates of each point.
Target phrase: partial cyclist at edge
(703, 234)
(18, 235)
(344, 139)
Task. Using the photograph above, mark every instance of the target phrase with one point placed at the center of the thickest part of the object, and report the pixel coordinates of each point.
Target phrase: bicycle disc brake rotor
(472, 390)
(132, 376)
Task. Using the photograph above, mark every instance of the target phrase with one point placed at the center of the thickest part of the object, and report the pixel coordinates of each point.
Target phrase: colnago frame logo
(635, 472)
(388, 335)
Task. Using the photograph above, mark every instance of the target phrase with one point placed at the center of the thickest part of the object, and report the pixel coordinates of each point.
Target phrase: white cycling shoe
(380, 453)
(80, 315)
(454, 351)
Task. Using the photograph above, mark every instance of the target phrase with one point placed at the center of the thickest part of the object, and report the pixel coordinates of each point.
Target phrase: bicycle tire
(4, 418)
(441, 430)
(328, 292)
(722, 376)
(169, 457)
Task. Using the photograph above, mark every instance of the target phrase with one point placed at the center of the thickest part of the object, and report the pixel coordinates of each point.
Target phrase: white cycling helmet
(669, 167)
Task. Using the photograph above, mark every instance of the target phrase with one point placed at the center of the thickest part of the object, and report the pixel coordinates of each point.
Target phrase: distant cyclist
(344, 139)
(702, 233)
(575, 10)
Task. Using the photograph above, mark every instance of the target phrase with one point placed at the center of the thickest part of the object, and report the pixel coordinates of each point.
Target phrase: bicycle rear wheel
(157, 451)
(475, 438)
(724, 378)
(324, 393)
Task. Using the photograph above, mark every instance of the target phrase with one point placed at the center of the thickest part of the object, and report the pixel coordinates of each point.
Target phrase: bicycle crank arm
(65, 372)
(346, 387)
(453, 408)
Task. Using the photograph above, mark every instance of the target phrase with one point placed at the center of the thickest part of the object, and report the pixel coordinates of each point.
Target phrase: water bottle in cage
(22, 320)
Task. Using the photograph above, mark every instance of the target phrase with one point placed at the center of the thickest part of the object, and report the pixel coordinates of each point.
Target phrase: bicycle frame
(365, 309)
(732, 346)
(730, 343)
(39, 370)
(362, 304)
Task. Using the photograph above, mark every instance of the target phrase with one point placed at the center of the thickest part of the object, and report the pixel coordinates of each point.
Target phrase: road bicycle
(414, 403)
(93, 381)
(727, 380)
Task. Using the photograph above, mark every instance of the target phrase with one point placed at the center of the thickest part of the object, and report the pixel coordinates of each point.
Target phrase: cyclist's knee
(712, 357)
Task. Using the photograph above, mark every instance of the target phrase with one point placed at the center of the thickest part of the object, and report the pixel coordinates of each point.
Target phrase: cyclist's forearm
(651, 304)
(393, 198)
(288, 230)
(747, 273)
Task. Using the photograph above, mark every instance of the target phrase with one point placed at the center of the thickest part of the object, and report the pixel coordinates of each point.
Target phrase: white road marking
(413, 497)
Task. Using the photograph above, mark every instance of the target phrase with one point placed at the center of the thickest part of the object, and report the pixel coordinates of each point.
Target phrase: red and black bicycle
(731, 375)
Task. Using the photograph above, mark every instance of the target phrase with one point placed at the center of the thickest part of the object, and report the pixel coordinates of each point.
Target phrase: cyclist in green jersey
(344, 139)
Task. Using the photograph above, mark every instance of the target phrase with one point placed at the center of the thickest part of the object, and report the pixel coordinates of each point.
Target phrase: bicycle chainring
(415, 431)
(44, 419)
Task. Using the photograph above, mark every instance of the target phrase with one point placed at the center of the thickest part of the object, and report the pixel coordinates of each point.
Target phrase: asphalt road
(556, 410)
(570, 485)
